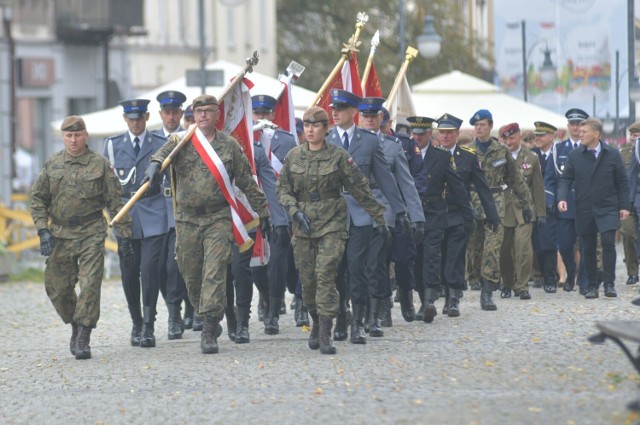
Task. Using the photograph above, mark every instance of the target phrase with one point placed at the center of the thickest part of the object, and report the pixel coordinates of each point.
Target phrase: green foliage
(28, 275)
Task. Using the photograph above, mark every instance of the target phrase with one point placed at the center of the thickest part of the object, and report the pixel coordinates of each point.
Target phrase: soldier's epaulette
(366, 130)
(468, 149)
(279, 130)
(161, 138)
(391, 138)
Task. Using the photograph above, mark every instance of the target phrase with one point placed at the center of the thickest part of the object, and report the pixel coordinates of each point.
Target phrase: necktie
(136, 145)
(345, 137)
(575, 145)
(594, 153)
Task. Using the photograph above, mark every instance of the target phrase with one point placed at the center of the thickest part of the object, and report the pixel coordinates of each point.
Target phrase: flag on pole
(372, 85)
(284, 111)
(402, 105)
(348, 79)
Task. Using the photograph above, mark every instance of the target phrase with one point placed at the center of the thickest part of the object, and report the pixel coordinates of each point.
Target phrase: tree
(312, 33)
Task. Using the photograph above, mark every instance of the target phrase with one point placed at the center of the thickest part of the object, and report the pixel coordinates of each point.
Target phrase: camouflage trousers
(317, 261)
(628, 230)
(516, 257)
(203, 253)
(483, 253)
(78, 261)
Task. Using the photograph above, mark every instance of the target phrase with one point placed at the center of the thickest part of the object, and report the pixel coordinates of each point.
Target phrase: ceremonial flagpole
(409, 56)
(375, 40)
(251, 62)
(349, 47)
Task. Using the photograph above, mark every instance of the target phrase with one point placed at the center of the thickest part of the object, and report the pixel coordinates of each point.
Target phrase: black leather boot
(262, 303)
(375, 328)
(302, 318)
(83, 350)
(386, 321)
(550, 286)
(148, 338)
(326, 344)
(187, 321)
(72, 341)
(232, 324)
(175, 328)
(486, 303)
(454, 302)
(406, 304)
(242, 332)
(445, 307)
(430, 311)
(197, 322)
(358, 335)
(314, 340)
(271, 321)
(136, 328)
(342, 322)
(208, 338)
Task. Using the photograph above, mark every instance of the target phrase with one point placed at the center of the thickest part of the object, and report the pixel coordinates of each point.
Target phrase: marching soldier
(501, 172)
(516, 254)
(129, 154)
(71, 191)
(310, 187)
(629, 227)
(459, 224)
(364, 147)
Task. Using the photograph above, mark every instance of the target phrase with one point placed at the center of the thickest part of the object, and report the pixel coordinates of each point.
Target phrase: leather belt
(148, 193)
(426, 200)
(77, 220)
(492, 189)
(318, 196)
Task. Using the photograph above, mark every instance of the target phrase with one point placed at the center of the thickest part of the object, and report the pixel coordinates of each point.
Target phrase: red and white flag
(347, 79)
(372, 85)
(285, 117)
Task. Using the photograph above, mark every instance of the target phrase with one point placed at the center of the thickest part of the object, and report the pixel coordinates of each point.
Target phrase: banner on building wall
(570, 48)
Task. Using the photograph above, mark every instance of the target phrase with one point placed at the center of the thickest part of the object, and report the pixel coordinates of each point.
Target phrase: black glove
(551, 209)
(125, 251)
(469, 226)
(303, 221)
(403, 222)
(46, 242)
(495, 225)
(265, 228)
(418, 232)
(541, 221)
(527, 215)
(281, 235)
(384, 231)
(152, 174)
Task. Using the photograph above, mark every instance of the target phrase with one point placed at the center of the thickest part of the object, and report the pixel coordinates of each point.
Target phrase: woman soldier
(309, 187)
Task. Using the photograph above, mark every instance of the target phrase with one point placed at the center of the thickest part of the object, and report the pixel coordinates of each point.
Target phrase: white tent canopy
(109, 122)
(462, 95)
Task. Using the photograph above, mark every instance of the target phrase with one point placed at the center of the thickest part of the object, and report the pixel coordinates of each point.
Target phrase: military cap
(135, 108)
(299, 125)
(481, 114)
(509, 130)
(385, 116)
(341, 99)
(576, 114)
(263, 103)
(171, 99)
(635, 127)
(370, 105)
(188, 113)
(420, 125)
(73, 123)
(543, 128)
(315, 114)
(204, 99)
(449, 122)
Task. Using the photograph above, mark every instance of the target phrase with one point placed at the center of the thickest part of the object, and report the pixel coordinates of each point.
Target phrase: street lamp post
(548, 73)
(429, 42)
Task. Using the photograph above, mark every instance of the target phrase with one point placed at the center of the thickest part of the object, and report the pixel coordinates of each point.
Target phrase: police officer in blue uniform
(280, 272)
(459, 223)
(366, 150)
(402, 249)
(172, 286)
(129, 154)
(565, 221)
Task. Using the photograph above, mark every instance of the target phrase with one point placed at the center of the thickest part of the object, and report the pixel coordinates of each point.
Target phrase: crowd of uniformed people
(351, 212)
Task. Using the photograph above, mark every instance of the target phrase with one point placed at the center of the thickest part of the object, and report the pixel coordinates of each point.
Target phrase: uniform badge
(498, 162)
(350, 160)
(562, 167)
(416, 150)
(526, 166)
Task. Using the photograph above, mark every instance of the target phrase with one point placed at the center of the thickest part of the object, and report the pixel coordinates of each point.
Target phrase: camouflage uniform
(72, 191)
(628, 227)
(310, 181)
(501, 171)
(203, 218)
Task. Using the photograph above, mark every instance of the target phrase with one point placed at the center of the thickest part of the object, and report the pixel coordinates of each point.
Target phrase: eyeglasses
(200, 111)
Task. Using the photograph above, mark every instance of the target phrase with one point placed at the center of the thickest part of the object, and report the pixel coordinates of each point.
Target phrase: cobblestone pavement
(527, 363)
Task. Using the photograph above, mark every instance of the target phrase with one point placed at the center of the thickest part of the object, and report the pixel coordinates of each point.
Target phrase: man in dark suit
(597, 173)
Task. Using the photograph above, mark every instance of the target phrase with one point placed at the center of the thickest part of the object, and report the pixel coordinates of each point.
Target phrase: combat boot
(208, 338)
(74, 335)
(326, 344)
(386, 321)
(242, 332)
(430, 311)
(262, 303)
(197, 322)
(83, 350)
(420, 313)
(375, 328)
(454, 302)
(314, 341)
(406, 304)
(232, 323)
(175, 328)
(283, 306)
(188, 315)
(445, 307)
(342, 322)
(486, 303)
(358, 335)
(303, 315)
(271, 326)
(148, 338)
(550, 286)
(136, 328)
